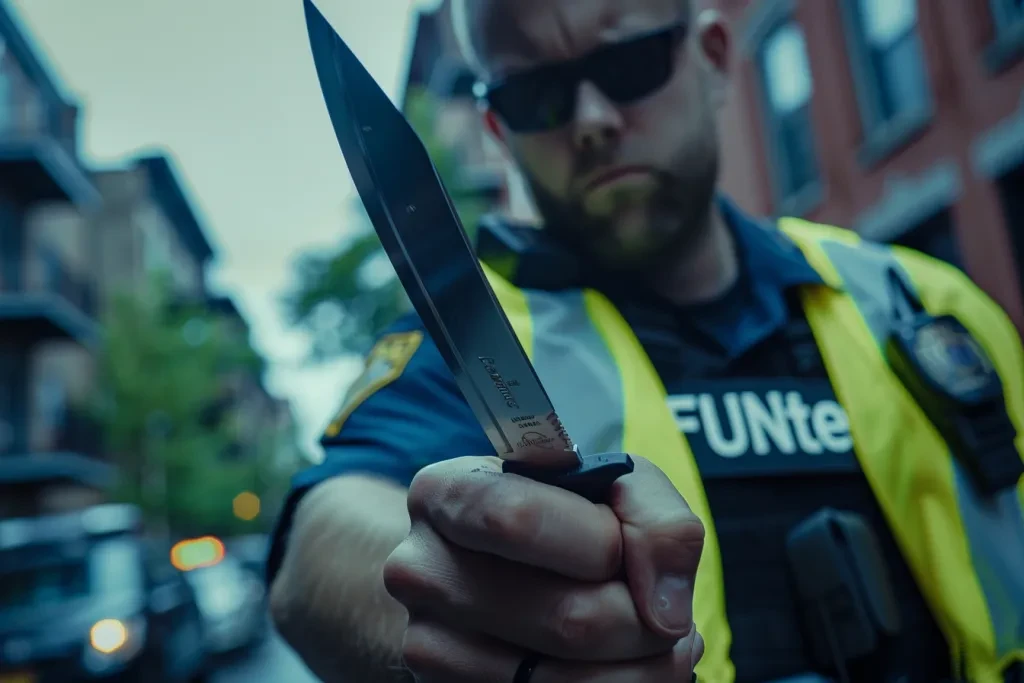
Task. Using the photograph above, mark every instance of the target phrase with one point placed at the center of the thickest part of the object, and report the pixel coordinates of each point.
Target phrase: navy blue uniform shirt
(421, 417)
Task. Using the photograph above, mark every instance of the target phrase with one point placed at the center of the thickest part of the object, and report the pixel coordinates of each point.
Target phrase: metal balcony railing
(79, 434)
(57, 279)
(56, 121)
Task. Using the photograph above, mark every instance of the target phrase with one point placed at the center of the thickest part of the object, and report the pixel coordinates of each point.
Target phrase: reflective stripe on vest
(979, 595)
(960, 549)
(566, 343)
(607, 392)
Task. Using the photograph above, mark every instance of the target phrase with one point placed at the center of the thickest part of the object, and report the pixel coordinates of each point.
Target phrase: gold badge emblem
(384, 364)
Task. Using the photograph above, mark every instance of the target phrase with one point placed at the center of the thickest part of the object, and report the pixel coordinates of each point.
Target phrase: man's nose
(597, 121)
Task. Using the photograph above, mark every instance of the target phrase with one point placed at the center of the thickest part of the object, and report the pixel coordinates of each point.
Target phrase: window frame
(796, 201)
(881, 136)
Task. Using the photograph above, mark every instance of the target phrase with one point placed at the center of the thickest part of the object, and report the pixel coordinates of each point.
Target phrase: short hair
(465, 27)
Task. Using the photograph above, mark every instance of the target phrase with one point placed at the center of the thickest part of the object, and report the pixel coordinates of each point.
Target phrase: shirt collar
(768, 255)
(528, 258)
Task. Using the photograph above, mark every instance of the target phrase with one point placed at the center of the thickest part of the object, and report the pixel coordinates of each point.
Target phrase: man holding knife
(790, 356)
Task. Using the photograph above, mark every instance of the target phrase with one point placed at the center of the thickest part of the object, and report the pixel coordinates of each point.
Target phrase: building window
(788, 88)
(936, 237)
(889, 66)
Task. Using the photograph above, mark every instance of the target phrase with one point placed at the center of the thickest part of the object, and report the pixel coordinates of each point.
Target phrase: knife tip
(311, 9)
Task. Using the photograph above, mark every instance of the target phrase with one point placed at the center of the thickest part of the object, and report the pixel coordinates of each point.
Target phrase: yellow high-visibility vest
(964, 552)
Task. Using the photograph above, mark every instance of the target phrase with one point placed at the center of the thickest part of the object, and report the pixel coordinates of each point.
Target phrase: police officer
(767, 377)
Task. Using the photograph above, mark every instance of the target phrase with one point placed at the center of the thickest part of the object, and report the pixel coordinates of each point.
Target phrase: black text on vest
(764, 427)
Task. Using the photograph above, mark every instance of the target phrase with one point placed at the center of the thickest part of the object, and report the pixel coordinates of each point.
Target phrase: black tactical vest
(773, 448)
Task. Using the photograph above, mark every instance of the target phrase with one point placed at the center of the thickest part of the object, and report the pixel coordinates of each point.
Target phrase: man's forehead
(516, 34)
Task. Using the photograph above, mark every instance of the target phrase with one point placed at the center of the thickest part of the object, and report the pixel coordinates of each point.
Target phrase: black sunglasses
(544, 98)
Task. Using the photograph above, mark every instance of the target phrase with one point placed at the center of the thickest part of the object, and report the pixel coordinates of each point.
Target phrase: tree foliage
(169, 417)
(346, 297)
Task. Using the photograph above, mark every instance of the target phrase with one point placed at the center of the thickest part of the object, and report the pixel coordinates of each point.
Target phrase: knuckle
(444, 489)
(445, 498)
(679, 526)
(578, 625)
(512, 514)
(687, 654)
(422, 650)
(407, 579)
(478, 509)
(426, 487)
(697, 650)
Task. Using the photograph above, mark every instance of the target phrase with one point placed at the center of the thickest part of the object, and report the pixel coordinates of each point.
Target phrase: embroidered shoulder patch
(384, 364)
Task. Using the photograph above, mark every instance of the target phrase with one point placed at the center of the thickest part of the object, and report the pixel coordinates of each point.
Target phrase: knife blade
(423, 237)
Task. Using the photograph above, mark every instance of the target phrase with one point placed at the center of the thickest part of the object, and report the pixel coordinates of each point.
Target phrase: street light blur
(197, 552)
(246, 506)
(107, 636)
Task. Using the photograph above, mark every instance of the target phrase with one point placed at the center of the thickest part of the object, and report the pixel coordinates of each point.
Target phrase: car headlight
(113, 642)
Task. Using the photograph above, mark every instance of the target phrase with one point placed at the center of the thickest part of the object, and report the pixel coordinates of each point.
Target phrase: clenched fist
(498, 569)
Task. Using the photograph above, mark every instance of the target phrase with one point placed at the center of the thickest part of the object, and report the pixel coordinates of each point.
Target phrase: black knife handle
(592, 478)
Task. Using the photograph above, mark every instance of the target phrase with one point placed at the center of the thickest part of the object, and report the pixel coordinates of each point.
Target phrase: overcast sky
(228, 86)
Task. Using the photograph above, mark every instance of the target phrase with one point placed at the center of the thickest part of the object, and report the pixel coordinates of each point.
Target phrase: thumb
(662, 543)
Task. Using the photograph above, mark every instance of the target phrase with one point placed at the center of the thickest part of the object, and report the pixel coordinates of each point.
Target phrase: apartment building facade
(148, 223)
(71, 240)
(48, 307)
(140, 221)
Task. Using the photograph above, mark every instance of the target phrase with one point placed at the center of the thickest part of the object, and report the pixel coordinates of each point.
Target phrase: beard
(637, 231)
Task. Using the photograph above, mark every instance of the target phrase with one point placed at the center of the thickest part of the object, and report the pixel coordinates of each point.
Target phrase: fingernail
(672, 602)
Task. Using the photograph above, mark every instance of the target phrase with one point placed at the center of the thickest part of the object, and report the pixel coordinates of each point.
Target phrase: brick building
(901, 119)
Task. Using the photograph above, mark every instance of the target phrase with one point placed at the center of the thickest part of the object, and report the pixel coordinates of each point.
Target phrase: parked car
(233, 604)
(83, 598)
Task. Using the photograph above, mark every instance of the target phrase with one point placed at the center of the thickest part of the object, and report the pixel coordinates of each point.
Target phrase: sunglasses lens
(633, 70)
(534, 102)
(544, 99)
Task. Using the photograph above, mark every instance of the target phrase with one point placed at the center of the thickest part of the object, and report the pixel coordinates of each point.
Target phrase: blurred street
(271, 661)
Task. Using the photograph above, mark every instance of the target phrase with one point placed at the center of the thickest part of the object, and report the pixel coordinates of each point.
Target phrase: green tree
(346, 297)
(166, 411)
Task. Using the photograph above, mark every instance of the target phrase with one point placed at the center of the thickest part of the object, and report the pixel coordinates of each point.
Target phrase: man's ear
(714, 43)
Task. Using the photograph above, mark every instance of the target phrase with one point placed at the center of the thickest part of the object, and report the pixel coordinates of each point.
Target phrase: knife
(422, 234)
